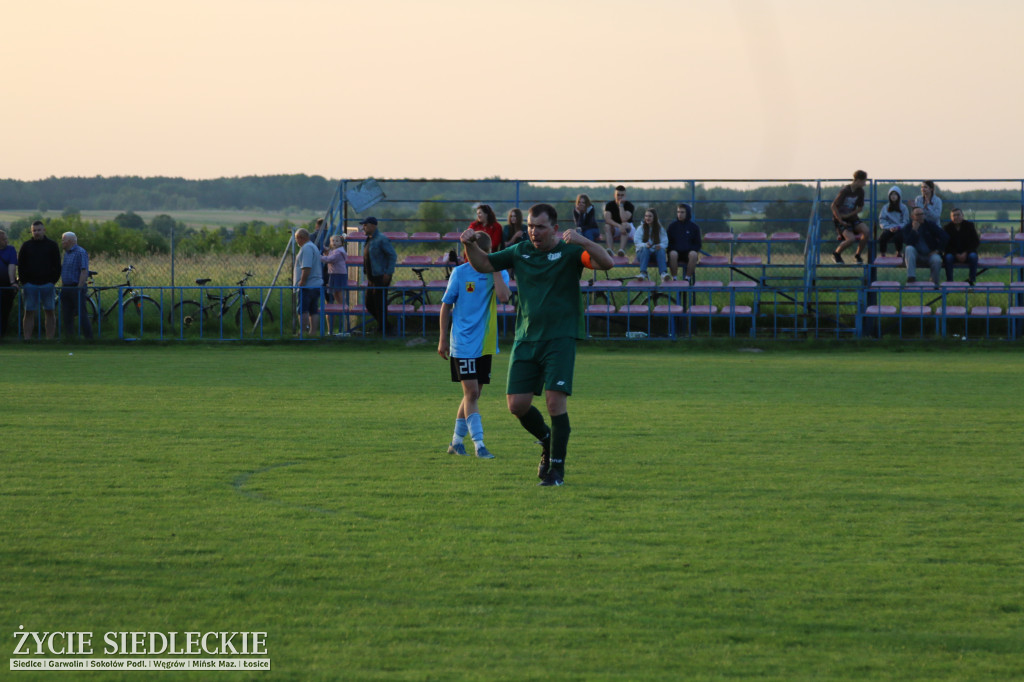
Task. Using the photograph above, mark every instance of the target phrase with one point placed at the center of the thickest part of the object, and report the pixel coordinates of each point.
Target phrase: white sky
(529, 89)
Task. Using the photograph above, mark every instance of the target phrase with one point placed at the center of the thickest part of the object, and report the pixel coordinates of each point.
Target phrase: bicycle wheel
(91, 311)
(141, 312)
(186, 314)
(252, 309)
(406, 298)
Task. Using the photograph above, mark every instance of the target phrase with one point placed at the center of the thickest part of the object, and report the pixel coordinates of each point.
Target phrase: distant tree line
(128, 233)
(272, 192)
(306, 192)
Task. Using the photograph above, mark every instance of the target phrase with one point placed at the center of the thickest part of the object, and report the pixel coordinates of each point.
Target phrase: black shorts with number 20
(471, 369)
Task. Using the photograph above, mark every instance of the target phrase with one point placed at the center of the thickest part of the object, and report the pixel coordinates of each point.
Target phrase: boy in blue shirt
(469, 337)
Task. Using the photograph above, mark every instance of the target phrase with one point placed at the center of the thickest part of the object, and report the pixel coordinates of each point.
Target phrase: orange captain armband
(585, 259)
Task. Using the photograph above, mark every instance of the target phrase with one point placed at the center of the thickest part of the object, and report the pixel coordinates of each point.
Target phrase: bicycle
(421, 297)
(135, 307)
(190, 313)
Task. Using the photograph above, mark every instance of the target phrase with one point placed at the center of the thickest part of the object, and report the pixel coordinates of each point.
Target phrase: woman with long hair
(586, 218)
(930, 202)
(515, 230)
(487, 222)
(651, 239)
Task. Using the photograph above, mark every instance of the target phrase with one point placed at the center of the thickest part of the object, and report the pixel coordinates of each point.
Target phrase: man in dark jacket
(923, 243)
(684, 241)
(38, 271)
(379, 259)
(963, 245)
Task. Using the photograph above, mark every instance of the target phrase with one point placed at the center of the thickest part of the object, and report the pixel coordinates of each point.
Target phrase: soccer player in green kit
(549, 319)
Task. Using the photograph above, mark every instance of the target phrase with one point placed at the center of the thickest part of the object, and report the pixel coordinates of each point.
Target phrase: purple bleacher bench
(417, 260)
(989, 262)
(746, 260)
(876, 310)
(916, 310)
(786, 237)
(888, 261)
(713, 261)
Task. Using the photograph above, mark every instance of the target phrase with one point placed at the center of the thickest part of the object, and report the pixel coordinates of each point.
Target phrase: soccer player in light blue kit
(469, 337)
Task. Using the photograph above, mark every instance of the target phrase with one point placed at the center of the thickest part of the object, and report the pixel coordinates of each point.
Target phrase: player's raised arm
(474, 253)
(599, 257)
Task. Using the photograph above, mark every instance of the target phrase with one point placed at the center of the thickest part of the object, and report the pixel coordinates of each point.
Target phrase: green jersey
(548, 303)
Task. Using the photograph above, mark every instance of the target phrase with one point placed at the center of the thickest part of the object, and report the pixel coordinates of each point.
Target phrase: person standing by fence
(74, 275)
(8, 281)
(379, 259)
(39, 270)
(309, 282)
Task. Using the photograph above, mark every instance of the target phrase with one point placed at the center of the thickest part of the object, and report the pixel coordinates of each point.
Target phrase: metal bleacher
(761, 272)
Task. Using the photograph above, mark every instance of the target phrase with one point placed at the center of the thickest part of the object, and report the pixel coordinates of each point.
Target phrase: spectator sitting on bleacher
(931, 204)
(651, 240)
(963, 245)
(618, 217)
(846, 208)
(487, 222)
(515, 231)
(891, 219)
(586, 218)
(684, 242)
(923, 243)
(337, 270)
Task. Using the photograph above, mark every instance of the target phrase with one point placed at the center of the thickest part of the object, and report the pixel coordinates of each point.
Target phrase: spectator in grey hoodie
(891, 219)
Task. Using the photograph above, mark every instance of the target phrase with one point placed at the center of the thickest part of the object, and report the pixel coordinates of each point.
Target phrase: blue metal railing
(995, 310)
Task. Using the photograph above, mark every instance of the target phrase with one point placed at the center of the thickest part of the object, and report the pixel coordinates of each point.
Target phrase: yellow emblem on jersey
(470, 287)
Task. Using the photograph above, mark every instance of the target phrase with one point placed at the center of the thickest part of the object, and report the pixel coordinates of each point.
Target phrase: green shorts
(539, 365)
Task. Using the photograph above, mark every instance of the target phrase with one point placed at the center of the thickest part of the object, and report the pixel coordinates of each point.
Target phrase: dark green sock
(559, 440)
(533, 421)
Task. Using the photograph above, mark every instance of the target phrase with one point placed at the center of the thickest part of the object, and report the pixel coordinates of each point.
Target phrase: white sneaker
(665, 277)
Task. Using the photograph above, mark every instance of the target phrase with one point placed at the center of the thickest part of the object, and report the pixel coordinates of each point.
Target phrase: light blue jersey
(474, 312)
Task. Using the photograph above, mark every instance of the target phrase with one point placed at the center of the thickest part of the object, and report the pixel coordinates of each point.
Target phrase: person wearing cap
(379, 260)
(74, 275)
(846, 208)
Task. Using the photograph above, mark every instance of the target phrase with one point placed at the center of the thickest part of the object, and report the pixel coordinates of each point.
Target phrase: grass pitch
(786, 515)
